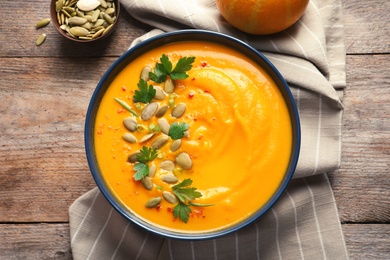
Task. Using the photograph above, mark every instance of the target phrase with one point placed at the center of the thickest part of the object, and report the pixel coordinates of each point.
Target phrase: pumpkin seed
(107, 29)
(59, 19)
(129, 138)
(152, 170)
(98, 23)
(145, 73)
(161, 110)
(98, 33)
(87, 5)
(147, 183)
(167, 165)
(184, 160)
(74, 21)
(78, 31)
(41, 38)
(160, 142)
(42, 23)
(88, 17)
(85, 37)
(66, 13)
(108, 18)
(175, 145)
(146, 137)
(59, 5)
(132, 158)
(164, 125)
(130, 124)
(149, 111)
(103, 3)
(63, 20)
(110, 11)
(153, 202)
(87, 26)
(95, 15)
(169, 178)
(79, 13)
(179, 110)
(169, 86)
(68, 9)
(186, 133)
(169, 197)
(97, 28)
(159, 93)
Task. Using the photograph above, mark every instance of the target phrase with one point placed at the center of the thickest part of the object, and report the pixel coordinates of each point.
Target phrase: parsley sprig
(176, 131)
(164, 69)
(147, 154)
(144, 93)
(141, 168)
(186, 194)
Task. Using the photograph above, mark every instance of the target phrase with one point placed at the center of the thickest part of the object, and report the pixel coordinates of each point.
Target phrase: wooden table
(45, 91)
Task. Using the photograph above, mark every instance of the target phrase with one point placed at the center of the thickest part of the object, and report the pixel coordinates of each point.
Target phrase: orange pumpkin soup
(238, 139)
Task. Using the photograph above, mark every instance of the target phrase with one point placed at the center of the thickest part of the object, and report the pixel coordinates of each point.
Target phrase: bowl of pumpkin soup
(192, 135)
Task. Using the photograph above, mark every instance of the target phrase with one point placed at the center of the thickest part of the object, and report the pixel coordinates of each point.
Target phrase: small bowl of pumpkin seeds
(84, 20)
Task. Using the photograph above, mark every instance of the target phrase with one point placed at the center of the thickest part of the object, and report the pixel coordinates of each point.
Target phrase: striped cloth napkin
(304, 223)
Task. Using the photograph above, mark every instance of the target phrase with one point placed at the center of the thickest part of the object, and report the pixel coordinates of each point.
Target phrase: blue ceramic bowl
(167, 38)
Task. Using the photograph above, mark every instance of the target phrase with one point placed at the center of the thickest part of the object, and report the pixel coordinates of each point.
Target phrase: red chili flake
(204, 64)
(200, 137)
(124, 88)
(120, 110)
(169, 209)
(99, 132)
(191, 95)
(158, 207)
(193, 78)
(206, 91)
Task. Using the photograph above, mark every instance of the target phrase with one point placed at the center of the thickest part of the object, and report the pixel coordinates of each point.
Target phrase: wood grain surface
(45, 92)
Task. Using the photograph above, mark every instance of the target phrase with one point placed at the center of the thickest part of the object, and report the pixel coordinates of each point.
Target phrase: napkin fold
(304, 223)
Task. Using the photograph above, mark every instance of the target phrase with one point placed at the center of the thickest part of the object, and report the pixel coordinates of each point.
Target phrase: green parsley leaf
(176, 131)
(141, 170)
(183, 65)
(186, 194)
(167, 64)
(145, 94)
(159, 74)
(147, 154)
(182, 190)
(182, 211)
(184, 183)
(164, 69)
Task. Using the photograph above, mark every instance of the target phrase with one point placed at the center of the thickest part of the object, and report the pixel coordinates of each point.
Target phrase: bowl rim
(185, 35)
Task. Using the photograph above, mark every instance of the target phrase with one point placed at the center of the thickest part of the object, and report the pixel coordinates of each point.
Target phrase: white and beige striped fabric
(304, 224)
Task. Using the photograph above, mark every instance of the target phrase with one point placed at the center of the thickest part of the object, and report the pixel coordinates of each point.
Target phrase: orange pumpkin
(262, 17)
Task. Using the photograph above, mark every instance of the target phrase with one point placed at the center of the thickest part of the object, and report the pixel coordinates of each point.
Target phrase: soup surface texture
(239, 141)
